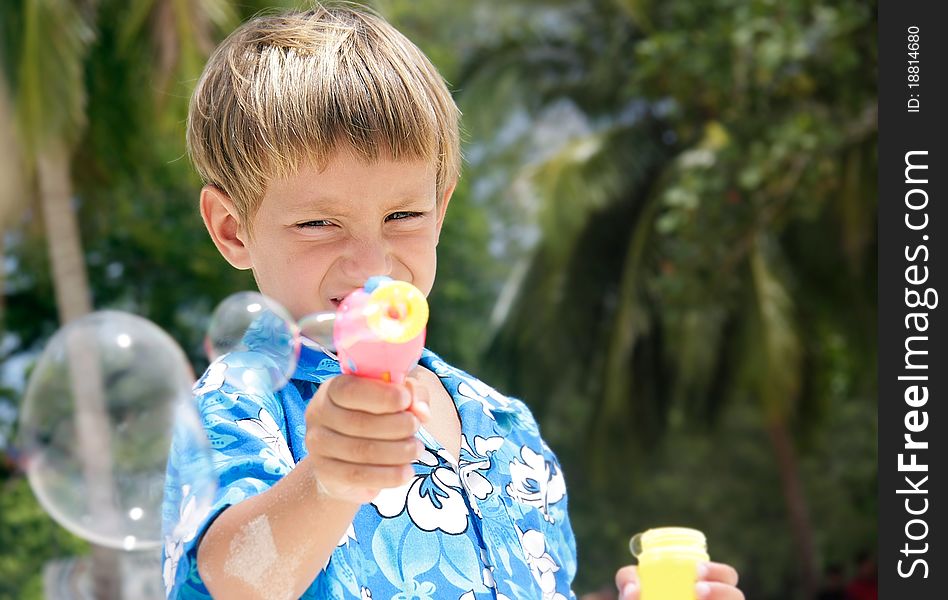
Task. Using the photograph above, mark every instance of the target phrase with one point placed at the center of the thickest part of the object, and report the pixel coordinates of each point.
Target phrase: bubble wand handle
(379, 330)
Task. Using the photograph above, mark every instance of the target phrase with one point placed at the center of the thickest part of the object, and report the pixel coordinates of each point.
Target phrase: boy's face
(319, 234)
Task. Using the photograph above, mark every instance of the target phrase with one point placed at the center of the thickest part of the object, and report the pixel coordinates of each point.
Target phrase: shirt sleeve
(246, 428)
(538, 486)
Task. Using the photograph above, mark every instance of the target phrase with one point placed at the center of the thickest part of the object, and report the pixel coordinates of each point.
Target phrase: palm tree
(50, 116)
(50, 106)
(707, 218)
(12, 190)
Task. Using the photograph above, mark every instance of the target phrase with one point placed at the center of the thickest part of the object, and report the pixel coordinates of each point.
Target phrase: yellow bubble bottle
(668, 562)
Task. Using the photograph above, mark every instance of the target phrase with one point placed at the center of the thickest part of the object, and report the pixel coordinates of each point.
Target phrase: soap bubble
(318, 328)
(257, 339)
(101, 407)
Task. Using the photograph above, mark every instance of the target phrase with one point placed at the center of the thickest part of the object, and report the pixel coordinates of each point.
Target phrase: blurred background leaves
(663, 240)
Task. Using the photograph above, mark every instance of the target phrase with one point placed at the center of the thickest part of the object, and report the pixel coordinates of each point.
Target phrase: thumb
(420, 399)
(629, 592)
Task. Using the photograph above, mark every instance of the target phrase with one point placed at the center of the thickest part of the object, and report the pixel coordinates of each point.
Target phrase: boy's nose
(367, 258)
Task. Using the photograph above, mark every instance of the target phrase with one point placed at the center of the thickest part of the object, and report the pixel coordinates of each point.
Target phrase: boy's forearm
(274, 544)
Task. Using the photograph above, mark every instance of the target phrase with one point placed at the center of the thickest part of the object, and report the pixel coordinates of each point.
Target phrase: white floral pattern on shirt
(536, 481)
(464, 527)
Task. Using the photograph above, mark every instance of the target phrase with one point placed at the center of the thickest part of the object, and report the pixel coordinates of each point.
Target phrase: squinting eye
(311, 224)
(403, 214)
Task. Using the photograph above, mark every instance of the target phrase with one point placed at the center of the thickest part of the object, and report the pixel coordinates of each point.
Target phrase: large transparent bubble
(257, 339)
(102, 405)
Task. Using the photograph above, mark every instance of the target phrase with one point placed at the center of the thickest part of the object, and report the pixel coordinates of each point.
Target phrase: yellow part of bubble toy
(397, 312)
(668, 562)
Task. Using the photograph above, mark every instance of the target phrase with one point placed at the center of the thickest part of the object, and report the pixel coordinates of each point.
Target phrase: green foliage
(724, 483)
(461, 299)
(50, 96)
(28, 539)
(710, 253)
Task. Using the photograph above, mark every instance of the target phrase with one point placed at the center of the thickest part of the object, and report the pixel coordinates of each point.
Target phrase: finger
(368, 395)
(331, 470)
(354, 423)
(627, 582)
(420, 399)
(713, 590)
(364, 450)
(629, 592)
(720, 572)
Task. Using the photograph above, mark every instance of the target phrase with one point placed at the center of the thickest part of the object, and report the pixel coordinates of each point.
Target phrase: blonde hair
(284, 90)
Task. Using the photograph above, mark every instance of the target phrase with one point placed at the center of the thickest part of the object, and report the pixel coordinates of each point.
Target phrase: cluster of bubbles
(110, 400)
(378, 331)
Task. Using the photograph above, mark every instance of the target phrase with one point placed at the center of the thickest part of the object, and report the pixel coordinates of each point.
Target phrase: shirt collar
(314, 365)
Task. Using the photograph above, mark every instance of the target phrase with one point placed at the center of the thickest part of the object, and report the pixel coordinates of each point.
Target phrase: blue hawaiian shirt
(490, 523)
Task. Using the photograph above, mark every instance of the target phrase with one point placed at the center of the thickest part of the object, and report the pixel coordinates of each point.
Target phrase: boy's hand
(716, 581)
(360, 435)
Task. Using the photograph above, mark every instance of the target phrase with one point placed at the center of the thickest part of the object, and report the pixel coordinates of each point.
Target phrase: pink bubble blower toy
(378, 330)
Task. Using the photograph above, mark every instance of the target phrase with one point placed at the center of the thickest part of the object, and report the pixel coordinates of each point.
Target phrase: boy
(329, 148)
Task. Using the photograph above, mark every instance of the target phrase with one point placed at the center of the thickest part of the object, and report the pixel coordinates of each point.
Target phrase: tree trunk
(12, 196)
(73, 300)
(801, 528)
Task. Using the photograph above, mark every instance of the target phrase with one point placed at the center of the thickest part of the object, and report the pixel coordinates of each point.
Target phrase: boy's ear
(223, 223)
(443, 207)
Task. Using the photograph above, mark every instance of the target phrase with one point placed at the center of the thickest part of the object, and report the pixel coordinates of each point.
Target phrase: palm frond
(777, 374)
(13, 195)
(51, 96)
(182, 34)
